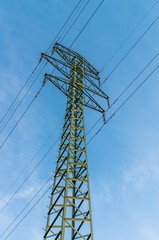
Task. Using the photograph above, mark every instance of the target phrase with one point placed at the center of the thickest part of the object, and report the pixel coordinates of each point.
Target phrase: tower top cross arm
(72, 65)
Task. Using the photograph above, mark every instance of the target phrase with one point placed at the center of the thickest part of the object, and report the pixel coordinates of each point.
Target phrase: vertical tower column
(69, 215)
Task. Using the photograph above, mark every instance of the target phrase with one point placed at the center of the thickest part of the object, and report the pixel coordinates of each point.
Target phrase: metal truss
(69, 216)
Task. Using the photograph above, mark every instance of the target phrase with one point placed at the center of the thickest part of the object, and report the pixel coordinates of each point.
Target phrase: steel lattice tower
(69, 216)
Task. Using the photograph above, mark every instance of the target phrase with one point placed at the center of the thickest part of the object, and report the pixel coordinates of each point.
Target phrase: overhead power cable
(28, 164)
(133, 46)
(130, 84)
(125, 89)
(130, 34)
(75, 20)
(90, 18)
(81, 29)
(96, 10)
(127, 99)
(33, 170)
(64, 25)
(129, 49)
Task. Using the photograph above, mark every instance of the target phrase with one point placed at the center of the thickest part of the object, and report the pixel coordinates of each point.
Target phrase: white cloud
(26, 193)
(101, 193)
(21, 195)
(142, 172)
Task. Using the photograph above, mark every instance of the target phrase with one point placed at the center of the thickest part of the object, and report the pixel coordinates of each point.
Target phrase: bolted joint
(41, 57)
(54, 48)
(46, 77)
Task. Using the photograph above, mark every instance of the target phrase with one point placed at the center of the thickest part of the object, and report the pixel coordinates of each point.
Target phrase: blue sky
(124, 156)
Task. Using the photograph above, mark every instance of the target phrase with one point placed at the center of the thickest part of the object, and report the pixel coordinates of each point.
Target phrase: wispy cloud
(21, 195)
(26, 193)
(101, 193)
(142, 172)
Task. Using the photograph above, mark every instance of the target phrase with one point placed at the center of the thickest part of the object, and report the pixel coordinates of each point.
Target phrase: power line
(129, 85)
(128, 98)
(129, 49)
(125, 89)
(138, 40)
(100, 4)
(75, 20)
(33, 170)
(71, 14)
(130, 34)
(71, 28)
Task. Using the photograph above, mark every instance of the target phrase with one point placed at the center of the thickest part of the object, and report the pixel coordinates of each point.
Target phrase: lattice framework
(70, 216)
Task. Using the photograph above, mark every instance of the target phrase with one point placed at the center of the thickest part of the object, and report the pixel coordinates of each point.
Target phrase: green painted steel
(70, 216)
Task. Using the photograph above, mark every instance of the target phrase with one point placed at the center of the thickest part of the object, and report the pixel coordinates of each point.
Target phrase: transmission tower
(69, 216)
